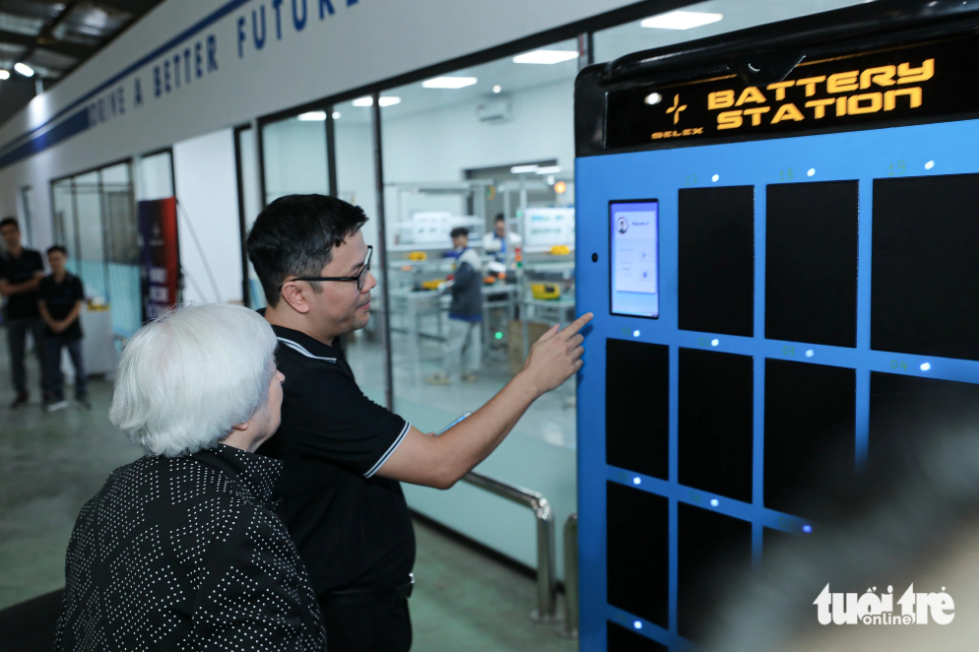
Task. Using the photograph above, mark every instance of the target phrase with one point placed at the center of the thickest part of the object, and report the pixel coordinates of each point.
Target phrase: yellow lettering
(883, 76)
(729, 120)
(840, 107)
(819, 106)
(810, 84)
(751, 94)
(657, 135)
(788, 112)
(853, 106)
(842, 82)
(890, 97)
(756, 114)
(720, 100)
(909, 75)
(779, 89)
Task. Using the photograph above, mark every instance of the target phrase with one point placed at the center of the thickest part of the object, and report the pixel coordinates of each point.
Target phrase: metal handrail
(546, 611)
(570, 629)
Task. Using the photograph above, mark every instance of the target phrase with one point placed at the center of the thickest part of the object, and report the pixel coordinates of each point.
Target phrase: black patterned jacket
(187, 554)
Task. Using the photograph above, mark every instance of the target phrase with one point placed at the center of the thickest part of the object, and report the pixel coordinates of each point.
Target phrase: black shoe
(19, 402)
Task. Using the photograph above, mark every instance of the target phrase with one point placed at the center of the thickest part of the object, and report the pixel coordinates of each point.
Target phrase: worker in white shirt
(498, 241)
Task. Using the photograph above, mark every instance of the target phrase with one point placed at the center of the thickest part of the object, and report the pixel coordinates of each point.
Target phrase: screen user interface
(635, 258)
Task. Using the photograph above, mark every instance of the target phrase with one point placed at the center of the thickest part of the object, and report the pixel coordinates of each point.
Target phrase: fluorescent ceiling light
(4, 74)
(24, 69)
(369, 101)
(337, 115)
(546, 56)
(313, 116)
(681, 20)
(497, 89)
(449, 82)
(550, 169)
(524, 169)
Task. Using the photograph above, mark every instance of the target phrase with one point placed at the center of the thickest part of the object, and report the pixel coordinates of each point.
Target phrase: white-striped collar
(299, 348)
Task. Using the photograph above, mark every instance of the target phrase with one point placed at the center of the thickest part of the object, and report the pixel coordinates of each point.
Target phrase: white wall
(362, 43)
(207, 192)
(439, 145)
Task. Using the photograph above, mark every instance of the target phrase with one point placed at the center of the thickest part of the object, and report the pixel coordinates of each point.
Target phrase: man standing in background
(60, 297)
(461, 353)
(500, 239)
(21, 271)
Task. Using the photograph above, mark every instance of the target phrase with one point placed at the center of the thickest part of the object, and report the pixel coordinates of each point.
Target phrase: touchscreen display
(635, 258)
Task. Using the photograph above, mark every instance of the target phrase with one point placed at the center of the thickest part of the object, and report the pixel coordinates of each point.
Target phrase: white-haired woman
(181, 550)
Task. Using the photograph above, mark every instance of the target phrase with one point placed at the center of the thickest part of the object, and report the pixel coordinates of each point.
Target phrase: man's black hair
(459, 231)
(10, 221)
(295, 236)
(499, 218)
(59, 249)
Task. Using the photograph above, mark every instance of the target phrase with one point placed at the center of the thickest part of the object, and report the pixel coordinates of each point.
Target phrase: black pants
(17, 330)
(368, 627)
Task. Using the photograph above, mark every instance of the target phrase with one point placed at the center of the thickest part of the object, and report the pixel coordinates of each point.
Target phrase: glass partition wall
(487, 149)
(94, 218)
(328, 151)
(295, 156)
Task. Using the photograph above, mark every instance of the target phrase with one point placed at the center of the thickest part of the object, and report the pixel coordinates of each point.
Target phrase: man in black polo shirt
(21, 271)
(346, 455)
(60, 297)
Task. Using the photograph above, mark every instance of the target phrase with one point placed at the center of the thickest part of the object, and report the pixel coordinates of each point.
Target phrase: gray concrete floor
(50, 464)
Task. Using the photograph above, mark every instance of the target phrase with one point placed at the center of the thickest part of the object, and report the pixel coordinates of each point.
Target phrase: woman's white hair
(186, 378)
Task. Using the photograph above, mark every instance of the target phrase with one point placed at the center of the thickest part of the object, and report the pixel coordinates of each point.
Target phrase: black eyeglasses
(360, 278)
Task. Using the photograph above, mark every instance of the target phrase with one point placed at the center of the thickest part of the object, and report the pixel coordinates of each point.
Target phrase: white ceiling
(609, 44)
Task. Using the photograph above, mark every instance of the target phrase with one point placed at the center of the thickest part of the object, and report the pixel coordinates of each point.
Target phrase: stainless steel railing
(546, 611)
(570, 629)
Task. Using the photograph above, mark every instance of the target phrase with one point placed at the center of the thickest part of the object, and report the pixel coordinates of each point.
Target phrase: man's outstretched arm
(441, 461)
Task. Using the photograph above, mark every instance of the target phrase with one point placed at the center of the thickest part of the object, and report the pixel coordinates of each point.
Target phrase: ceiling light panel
(386, 100)
(546, 57)
(312, 116)
(20, 24)
(449, 82)
(681, 20)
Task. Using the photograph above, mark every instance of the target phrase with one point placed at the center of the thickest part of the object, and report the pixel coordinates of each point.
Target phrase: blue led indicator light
(635, 333)
(925, 366)
(929, 165)
(715, 342)
(715, 178)
(811, 171)
(714, 502)
(637, 625)
(637, 481)
(807, 529)
(810, 353)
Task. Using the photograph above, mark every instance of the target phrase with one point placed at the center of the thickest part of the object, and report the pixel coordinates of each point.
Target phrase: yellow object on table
(417, 255)
(545, 291)
(560, 250)
(432, 285)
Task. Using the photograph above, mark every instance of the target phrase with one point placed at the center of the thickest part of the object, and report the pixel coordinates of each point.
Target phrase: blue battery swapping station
(777, 236)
